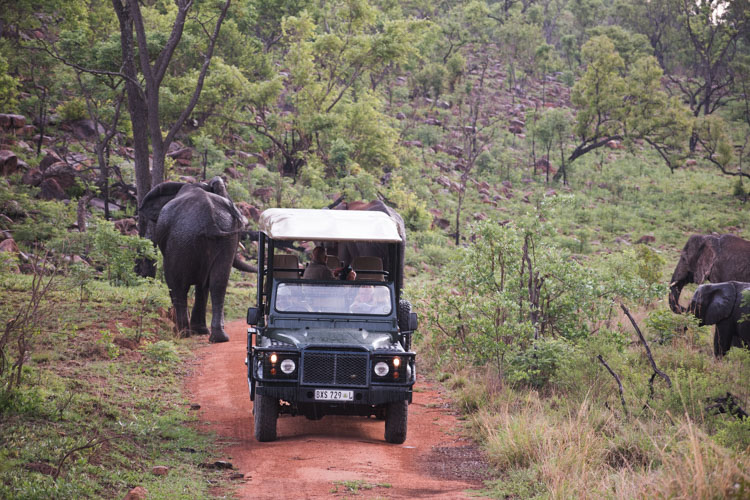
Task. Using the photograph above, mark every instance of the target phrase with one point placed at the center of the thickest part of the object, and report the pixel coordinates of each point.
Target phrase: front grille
(334, 368)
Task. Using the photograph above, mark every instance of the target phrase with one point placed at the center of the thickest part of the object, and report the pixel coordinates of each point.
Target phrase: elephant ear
(159, 196)
(705, 262)
(713, 303)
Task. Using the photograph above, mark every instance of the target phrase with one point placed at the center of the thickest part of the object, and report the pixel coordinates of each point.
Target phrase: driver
(318, 269)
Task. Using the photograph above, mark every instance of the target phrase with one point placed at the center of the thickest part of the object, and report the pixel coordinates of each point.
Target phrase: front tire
(396, 416)
(266, 410)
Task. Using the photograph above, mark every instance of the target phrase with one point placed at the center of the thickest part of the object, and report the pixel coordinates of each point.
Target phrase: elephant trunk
(675, 288)
(243, 266)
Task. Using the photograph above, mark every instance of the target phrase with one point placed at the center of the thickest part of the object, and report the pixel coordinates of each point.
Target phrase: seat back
(333, 262)
(288, 263)
(362, 265)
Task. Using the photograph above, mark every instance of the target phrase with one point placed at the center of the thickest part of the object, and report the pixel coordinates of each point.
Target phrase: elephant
(716, 258)
(348, 251)
(197, 228)
(721, 304)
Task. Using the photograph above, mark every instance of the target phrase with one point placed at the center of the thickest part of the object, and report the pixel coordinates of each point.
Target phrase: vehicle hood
(304, 337)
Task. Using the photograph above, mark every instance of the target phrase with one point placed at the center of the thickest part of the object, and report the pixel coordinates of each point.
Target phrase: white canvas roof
(328, 225)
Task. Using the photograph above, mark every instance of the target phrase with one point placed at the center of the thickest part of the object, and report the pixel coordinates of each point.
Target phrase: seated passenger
(368, 302)
(318, 269)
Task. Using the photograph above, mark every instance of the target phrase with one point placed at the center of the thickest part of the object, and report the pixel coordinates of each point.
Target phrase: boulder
(400, 116)
(98, 203)
(50, 190)
(480, 216)
(443, 181)
(413, 144)
(85, 129)
(160, 470)
(8, 162)
(62, 173)
(264, 193)
(32, 177)
(127, 226)
(441, 223)
(184, 154)
(248, 210)
(232, 173)
(647, 238)
(50, 158)
(137, 493)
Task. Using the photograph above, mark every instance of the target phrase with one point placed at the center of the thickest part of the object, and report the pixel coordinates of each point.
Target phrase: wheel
(266, 411)
(404, 308)
(395, 421)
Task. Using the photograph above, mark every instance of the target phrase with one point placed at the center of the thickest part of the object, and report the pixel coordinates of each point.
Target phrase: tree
(144, 77)
(615, 103)
(320, 110)
(712, 28)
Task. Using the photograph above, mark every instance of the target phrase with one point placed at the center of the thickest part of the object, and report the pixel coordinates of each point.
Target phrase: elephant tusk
(242, 247)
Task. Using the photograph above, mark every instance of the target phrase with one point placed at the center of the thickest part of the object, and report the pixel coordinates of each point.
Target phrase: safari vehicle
(330, 347)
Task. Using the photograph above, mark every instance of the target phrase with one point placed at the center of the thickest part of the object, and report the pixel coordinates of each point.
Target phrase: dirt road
(331, 457)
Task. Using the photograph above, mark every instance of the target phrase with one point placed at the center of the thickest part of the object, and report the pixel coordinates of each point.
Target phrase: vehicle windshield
(336, 298)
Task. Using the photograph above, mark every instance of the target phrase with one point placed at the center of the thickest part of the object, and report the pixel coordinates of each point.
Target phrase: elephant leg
(179, 301)
(218, 287)
(198, 316)
(723, 336)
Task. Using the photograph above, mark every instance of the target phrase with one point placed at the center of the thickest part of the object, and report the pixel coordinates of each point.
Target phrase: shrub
(163, 351)
(117, 253)
(73, 110)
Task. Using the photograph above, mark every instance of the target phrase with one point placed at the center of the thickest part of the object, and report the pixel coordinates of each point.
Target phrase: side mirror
(253, 315)
(413, 321)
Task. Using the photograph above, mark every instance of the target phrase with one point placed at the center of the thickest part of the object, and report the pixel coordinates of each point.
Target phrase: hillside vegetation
(550, 159)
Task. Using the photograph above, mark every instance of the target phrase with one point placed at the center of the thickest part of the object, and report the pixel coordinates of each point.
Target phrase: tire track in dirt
(311, 458)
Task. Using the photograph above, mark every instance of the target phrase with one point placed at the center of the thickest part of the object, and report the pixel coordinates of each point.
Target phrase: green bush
(117, 253)
(163, 351)
(540, 363)
(72, 110)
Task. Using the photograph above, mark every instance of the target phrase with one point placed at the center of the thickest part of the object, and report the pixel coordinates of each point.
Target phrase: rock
(515, 122)
(432, 121)
(441, 223)
(236, 475)
(456, 151)
(50, 190)
(691, 162)
(219, 465)
(10, 121)
(188, 179)
(646, 238)
(8, 162)
(484, 185)
(443, 181)
(232, 173)
(184, 154)
(507, 184)
(98, 203)
(613, 144)
(137, 493)
(413, 144)
(264, 194)
(49, 159)
(85, 129)
(160, 470)
(443, 104)
(62, 173)
(550, 192)
(400, 116)
(32, 177)
(248, 210)
(515, 130)
(127, 226)
(480, 216)
(9, 245)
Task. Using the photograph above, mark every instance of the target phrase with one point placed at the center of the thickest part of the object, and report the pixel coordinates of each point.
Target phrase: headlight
(288, 366)
(381, 369)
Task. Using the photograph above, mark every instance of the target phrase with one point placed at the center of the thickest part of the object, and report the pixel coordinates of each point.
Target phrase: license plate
(330, 395)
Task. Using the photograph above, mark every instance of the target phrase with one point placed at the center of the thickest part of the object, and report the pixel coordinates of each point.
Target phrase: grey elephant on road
(714, 258)
(726, 305)
(197, 228)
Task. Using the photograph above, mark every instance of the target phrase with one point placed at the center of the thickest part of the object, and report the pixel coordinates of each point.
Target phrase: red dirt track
(310, 457)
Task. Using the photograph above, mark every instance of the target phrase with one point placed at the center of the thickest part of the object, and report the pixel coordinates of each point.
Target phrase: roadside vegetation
(550, 160)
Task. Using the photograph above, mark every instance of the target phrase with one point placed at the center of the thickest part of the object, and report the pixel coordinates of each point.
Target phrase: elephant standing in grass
(197, 229)
(726, 305)
(714, 258)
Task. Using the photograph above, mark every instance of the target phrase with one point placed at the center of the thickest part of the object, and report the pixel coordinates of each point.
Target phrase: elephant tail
(243, 266)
